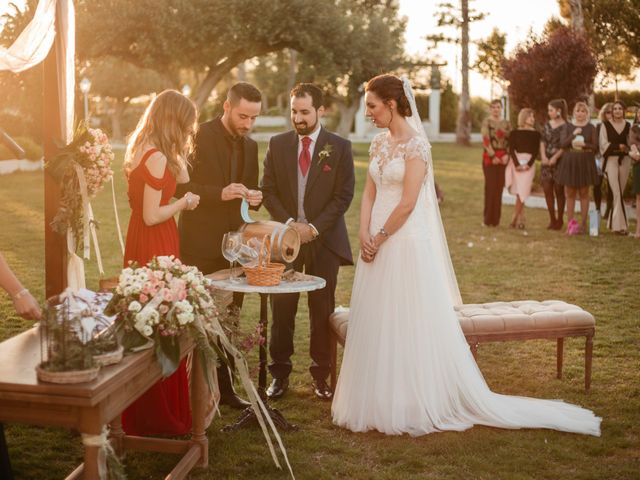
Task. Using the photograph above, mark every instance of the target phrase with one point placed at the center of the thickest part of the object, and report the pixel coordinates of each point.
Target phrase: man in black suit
(224, 170)
(308, 183)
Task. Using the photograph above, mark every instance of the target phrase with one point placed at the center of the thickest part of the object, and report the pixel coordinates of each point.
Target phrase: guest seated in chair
(27, 307)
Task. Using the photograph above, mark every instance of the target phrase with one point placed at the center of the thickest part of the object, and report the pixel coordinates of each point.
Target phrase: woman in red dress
(154, 162)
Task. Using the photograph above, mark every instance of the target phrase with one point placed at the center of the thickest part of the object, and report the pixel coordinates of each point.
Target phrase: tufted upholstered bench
(502, 321)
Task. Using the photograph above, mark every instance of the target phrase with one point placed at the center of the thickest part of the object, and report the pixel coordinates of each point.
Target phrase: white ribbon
(100, 441)
(75, 266)
(115, 212)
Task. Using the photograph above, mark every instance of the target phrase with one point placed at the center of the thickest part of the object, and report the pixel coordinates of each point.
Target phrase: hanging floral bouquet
(81, 168)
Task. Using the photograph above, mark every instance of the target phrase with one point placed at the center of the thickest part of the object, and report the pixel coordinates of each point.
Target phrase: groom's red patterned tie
(305, 156)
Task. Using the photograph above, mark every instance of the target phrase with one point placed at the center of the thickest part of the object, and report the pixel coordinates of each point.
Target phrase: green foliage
(605, 28)
(448, 108)
(631, 98)
(115, 78)
(491, 55)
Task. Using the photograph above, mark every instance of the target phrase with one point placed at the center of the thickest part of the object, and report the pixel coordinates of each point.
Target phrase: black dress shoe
(322, 390)
(234, 401)
(278, 387)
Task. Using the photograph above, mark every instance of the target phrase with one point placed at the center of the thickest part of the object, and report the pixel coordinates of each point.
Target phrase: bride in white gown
(407, 367)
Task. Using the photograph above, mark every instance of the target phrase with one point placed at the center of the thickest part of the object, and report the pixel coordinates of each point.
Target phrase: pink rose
(144, 298)
(167, 296)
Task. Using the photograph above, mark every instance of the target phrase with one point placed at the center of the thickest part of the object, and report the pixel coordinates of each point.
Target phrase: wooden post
(54, 244)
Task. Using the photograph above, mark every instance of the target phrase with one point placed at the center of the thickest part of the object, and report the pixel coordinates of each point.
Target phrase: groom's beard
(303, 128)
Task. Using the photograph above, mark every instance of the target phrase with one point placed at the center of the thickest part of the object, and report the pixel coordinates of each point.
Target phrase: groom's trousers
(314, 259)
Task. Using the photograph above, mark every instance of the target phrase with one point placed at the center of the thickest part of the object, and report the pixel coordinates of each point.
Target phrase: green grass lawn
(600, 274)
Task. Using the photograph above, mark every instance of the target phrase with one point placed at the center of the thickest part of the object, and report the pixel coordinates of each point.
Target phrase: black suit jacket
(329, 190)
(201, 230)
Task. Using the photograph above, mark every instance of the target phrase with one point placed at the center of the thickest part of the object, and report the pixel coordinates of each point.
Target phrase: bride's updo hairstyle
(389, 87)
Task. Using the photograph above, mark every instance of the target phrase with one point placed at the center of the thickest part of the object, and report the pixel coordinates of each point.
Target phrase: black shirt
(234, 151)
(524, 141)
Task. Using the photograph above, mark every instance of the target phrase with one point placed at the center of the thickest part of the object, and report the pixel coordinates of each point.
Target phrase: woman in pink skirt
(524, 147)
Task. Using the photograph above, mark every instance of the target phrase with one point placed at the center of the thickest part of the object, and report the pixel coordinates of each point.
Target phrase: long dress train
(407, 367)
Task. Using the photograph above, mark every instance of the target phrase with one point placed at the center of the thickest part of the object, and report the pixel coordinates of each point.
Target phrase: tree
(208, 36)
(460, 18)
(615, 19)
(490, 57)
(373, 44)
(560, 65)
(615, 60)
(118, 82)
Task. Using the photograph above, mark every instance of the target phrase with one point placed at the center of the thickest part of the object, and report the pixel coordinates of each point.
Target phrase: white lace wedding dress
(407, 367)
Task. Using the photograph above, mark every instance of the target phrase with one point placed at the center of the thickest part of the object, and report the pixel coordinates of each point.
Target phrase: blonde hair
(169, 123)
(606, 107)
(581, 104)
(523, 115)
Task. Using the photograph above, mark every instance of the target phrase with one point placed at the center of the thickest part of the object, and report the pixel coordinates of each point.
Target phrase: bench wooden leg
(588, 354)
(333, 352)
(559, 356)
(474, 349)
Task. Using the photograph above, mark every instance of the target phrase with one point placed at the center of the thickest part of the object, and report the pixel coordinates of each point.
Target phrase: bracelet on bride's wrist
(20, 294)
(383, 232)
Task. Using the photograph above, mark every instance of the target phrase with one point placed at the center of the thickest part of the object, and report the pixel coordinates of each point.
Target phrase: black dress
(552, 138)
(578, 167)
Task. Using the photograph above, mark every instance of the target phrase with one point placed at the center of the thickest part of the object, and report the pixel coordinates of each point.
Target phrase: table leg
(248, 416)
(200, 396)
(91, 458)
(116, 435)
(264, 320)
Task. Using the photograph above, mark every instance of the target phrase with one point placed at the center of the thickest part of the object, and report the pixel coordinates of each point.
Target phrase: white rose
(147, 331)
(154, 317)
(184, 318)
(135, 306)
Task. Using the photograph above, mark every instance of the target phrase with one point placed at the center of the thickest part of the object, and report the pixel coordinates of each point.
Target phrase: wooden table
(87, 407)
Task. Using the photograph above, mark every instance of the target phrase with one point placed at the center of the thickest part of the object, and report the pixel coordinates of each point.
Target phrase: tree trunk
(577, 16)
(209, 83)
(347, 115)
(463, 128)
(220, 69)
(116, 119)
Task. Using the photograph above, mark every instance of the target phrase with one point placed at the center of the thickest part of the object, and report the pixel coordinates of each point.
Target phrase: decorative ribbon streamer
(94, 237)
(105, 453)
(115, 212)
(82, 182)
(256, 402)
(75, 265)
(244, 212)
(88, 222)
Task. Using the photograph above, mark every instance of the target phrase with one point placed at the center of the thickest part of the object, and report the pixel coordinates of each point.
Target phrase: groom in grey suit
(308, 183)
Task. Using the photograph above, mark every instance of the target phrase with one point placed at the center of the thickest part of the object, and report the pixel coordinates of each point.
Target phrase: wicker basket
(266, 274)
(73, 376)
(109, 358)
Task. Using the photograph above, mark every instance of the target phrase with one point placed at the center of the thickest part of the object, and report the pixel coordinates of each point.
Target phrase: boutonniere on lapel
(324, 154)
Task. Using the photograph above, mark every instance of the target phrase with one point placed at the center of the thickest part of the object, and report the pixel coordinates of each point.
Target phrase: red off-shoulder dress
(164, 409)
